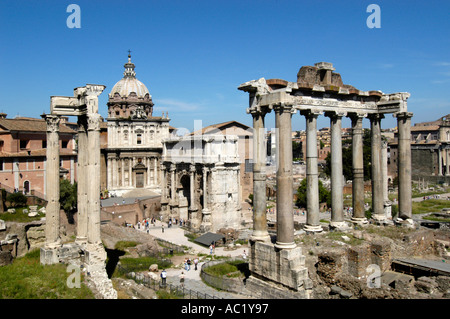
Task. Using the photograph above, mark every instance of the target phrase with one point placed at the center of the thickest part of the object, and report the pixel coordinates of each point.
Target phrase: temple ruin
(278, 269)
(87, 250)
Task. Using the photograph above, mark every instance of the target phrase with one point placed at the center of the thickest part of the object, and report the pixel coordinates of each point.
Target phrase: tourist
(162, 228)
(163, 277)
(188, 264)
(182, 279)
(211, 249)
(244, 255)
(195, 263)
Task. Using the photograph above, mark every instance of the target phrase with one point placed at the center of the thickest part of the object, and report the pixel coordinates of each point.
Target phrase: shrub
(17, 199)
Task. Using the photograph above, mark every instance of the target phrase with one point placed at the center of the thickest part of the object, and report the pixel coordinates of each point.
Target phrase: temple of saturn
(278, 270)
(87, 250)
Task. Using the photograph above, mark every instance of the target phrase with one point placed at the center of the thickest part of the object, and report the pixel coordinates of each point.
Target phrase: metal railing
(176, 291)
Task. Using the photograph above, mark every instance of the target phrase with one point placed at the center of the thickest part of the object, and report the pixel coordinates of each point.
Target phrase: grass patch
(123, 245)
(140, 264)
(429, 206)
(26, 278)
(19, 216)
(232, 269)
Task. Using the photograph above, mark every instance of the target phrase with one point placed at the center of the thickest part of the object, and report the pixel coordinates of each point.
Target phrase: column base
(313, 229)
(279, 245)
(379, 219)
(409, 223)
(359, 220)
(339, 225)
(260, 236)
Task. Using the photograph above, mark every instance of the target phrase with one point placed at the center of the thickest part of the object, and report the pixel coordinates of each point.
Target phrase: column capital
(375, 117)
(284, 108)
(356, 116)
(93, 122)
(335, 114)
(256, 111)
(311, 113)
(403, 115)
(52, 122)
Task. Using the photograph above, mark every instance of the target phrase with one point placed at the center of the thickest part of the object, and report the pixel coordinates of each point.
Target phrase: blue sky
(192, 55)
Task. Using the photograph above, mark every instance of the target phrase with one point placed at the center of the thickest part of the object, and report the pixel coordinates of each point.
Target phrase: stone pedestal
(281, 272)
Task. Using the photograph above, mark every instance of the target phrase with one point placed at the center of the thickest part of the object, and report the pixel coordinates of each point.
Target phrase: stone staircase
(95, 266)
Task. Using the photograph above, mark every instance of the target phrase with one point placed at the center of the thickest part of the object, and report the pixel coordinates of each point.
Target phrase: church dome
(129, 83)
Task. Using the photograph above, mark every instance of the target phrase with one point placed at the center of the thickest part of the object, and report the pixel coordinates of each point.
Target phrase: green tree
(17, 199)
(324, 194)
(68, 198)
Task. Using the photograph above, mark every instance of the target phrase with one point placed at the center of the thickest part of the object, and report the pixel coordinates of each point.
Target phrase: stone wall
(231, 284)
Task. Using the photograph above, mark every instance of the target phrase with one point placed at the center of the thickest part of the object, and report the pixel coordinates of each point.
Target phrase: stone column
(52, 224)
(377, 181)
(440, 170)
(172, 183)
(163, 184)
(93, 195)
(404, 165)
(384, 173)
(285, 216)
(122, 172)
(206, 213)
(130, 172)
(260, 232)
(192, 187)
(312, 177)
(82, 181)
(447, 163)
(358, 170)
(337, 207)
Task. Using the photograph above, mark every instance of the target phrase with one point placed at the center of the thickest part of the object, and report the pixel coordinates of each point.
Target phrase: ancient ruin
(318, 90)
(88, 249)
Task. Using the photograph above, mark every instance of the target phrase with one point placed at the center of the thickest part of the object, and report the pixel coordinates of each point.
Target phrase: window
(23, 144)
(248, 166)
(139, 139)
(44, 144)
(64, 144)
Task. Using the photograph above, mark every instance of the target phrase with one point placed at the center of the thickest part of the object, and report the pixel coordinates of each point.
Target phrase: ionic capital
(284, 108)
(335, 114)
(311, 113)
(403, 115)
(375, 117)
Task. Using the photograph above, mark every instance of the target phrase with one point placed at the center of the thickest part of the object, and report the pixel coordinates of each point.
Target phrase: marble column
(93, 195)
(447, 163)
(357, 170)
(52, 224)
(312, 176)
(260, 232)
(192, 187)
(130, 172)
(82, 181)
(163, 184)
(285, 216)
(337, 183)
(404, 165)
(206, 213)
(377, 181)
(172, 184)
(384, 172)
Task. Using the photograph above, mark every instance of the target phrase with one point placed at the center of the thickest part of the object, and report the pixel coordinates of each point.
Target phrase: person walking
(182, 279)
(163, 277)
(195, 263)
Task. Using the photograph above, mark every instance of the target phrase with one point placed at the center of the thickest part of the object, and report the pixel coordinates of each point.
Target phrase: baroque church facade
(197, 177)
(134, 148)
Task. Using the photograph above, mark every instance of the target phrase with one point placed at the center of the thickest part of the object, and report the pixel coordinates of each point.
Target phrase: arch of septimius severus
(318, 91)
